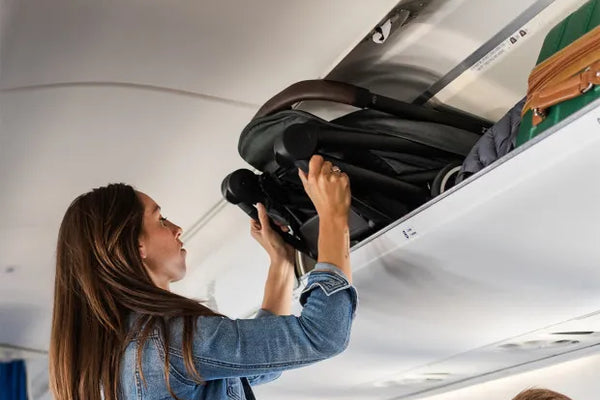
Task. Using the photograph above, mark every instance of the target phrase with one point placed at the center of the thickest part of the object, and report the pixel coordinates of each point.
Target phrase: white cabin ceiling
(245, 51)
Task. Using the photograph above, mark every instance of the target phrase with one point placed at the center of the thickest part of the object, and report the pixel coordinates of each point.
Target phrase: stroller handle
(316, 89)
(345, 93)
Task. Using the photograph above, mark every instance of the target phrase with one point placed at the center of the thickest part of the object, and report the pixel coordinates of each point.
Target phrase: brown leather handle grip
(562, 91)
(316, 89)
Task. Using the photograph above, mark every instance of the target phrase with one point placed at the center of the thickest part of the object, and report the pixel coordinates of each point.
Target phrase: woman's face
(160, 247)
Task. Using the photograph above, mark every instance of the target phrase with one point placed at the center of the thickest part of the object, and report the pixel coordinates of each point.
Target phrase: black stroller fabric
(379, 175)
(257, 139)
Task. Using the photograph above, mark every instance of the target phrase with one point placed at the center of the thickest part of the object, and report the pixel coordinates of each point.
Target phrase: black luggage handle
(345, 93)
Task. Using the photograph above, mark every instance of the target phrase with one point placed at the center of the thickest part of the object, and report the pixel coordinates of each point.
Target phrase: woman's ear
(142, 250)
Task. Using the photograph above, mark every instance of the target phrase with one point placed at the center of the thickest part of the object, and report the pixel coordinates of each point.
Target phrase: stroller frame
(298, 142)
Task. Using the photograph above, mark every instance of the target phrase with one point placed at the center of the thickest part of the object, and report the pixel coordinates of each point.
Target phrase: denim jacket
(232, 355)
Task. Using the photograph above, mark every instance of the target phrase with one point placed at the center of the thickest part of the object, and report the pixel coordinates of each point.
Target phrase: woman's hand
(278, 250)
(328, 189)
(280, 279)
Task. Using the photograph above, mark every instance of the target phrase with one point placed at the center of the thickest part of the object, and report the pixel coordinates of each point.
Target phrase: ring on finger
(336, 170)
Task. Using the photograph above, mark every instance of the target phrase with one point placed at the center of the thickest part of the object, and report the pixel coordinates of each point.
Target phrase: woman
(119, 333)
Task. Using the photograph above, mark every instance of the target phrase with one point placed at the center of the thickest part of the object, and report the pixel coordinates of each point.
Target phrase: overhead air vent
(530, 345)
(429, 378)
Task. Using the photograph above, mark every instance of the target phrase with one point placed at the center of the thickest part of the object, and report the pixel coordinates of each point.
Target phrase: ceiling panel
(237, 50)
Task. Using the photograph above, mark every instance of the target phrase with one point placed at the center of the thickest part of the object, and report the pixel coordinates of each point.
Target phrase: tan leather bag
(569, 73)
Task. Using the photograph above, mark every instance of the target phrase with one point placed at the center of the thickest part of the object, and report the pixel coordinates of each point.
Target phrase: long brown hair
(100, 280)
(540, 394)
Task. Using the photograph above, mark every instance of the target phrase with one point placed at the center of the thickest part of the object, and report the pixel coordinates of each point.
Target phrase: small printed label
(500, 50)
(409, 233)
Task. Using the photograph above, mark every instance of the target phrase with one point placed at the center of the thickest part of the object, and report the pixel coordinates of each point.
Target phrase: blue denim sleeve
(264, 378)
(224, 348)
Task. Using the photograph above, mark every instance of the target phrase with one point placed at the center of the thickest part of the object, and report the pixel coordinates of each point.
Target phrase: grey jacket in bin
(496, 142)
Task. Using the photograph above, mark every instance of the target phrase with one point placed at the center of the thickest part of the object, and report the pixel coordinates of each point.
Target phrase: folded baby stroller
(397, 155)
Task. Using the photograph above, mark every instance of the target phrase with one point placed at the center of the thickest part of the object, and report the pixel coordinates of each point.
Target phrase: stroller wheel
(445, 179)
(241, 186)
